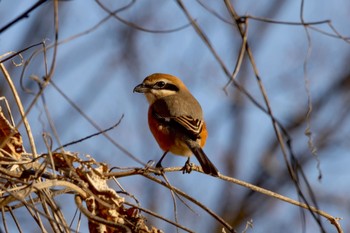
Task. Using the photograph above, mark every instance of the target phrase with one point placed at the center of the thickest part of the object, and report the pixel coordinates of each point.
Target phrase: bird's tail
(207, 166)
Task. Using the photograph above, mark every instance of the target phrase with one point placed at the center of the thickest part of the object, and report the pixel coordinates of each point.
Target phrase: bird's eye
(160, 84)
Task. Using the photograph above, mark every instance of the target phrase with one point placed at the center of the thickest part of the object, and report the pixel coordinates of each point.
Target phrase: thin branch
(267, 20)
(71, 38)
(47, 214)
(16, 221)
(305, 24)
(94, 124)
(20, 108)
(240, 57)
(195, 201)
(4, 219)
(333, 220)
(135, 26)
(146, 172)
(92, 135)
(204, 38)
(19, 52)
(225, 69)
(213, 12)
(22, 16)
(53, 62)
(308, 131)
(174, 200)
(276, 126)
(31, 207)
(159, 216)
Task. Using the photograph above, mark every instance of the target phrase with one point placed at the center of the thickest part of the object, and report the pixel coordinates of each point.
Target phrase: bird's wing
(190, 124)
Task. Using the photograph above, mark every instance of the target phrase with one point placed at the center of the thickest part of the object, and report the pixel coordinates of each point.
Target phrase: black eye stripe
(165, 86)
(171, 87)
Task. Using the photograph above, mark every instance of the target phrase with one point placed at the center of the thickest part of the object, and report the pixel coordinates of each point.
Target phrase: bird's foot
(187, 168)
(160, 169)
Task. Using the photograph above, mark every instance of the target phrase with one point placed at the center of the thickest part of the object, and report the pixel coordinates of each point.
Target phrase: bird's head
(158, 85)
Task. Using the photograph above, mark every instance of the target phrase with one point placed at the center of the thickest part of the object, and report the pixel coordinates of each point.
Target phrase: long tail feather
(207, 166)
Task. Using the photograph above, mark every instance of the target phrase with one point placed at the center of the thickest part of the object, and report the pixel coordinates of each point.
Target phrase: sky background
(99, 69)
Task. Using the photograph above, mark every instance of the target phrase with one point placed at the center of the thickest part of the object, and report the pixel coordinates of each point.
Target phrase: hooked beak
(141, 88)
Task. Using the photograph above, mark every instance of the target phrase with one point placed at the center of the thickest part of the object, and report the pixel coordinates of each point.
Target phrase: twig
(46, 211)
(213, 12)
(49, 119)
(225, 69)
(174, 200)
(308, 131)
(302, 23)
(195, 201)
(94, 124)
(4, 219)
(330, 218)
(16, 221)
(204, 38)
(92, 135)
(19, 52)
(145, 172)
(158, 216)
(76, 36)
(22, 16)
(135, 26)
(240, 57)
(20, 108)
(73, 218)
(276, 126)
(53, 62)
(310, 25)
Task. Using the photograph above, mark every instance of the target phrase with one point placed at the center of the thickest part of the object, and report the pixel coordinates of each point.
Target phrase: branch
(22, 16)
(20, 108)
(146, 173)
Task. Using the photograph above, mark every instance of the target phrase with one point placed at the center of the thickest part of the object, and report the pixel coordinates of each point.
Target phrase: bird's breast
(166, 137)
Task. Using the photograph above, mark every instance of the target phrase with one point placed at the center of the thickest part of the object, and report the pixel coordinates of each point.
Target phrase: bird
(175, 119)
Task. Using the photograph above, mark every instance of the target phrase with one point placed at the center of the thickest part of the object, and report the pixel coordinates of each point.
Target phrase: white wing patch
(193, 125)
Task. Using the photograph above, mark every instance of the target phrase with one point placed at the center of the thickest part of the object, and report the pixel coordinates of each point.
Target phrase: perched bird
(175, 119)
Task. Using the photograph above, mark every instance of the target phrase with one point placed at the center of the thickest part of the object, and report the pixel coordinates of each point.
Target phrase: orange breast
(203, 135)
(171, 139)
(160, 132)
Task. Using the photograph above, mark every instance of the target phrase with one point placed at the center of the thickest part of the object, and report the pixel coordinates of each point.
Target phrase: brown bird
(175, 119)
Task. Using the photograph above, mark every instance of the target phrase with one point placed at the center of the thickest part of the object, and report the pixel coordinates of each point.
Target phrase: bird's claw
(149, 164)
(187, 168)
(159, 169)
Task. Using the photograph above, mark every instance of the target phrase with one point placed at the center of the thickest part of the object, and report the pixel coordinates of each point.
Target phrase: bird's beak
(141, 88)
